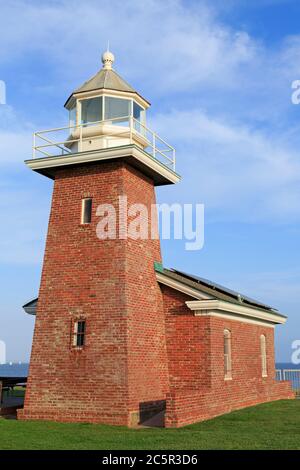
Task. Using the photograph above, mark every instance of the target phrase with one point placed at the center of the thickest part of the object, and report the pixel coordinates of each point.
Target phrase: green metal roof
(214, 289)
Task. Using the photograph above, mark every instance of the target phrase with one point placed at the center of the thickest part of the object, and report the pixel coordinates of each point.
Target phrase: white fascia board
(114, 93)
(181, 287)
(238, 312)
(102, 155)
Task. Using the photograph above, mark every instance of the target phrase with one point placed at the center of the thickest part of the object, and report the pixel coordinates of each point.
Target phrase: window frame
(130, 108)
(263, 355)
(227, 355)
(79, 102)
(74, 110)
(83, 212)
(76, 334)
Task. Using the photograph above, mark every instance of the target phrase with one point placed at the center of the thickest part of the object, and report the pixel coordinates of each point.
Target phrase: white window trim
(75, 333)
(228, 356)
(263, 353)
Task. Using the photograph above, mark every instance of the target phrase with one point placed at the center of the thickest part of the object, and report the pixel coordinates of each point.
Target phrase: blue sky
(218, 75)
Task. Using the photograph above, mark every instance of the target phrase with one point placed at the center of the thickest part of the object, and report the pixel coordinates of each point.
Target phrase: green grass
(269, 426)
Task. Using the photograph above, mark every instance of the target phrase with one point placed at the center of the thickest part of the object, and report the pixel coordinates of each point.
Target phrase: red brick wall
(143, 344)
(196, 364)
(110, 283)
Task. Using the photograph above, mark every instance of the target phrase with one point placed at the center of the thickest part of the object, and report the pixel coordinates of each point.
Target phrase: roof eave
(227, 309)
(78, 94)
(213, 293)
(30, 307)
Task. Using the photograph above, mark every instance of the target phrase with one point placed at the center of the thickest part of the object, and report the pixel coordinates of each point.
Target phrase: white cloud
(24, 214)
(23, 205)
(240, 173)
(169, 44)
(238, 170)
(231, 123)
(15, 147)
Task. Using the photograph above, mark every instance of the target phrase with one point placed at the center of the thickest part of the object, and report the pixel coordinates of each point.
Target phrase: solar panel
(223, 289)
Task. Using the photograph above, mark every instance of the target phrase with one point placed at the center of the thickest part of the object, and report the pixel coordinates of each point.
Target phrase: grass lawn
(269, 426)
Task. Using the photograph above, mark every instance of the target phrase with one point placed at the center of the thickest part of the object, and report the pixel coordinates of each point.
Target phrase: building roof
(215, 290)
(106, 79)
(30, 307)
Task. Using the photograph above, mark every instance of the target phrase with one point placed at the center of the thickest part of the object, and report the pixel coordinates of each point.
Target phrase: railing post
(130, 128)
(80, 139)
(154, 145)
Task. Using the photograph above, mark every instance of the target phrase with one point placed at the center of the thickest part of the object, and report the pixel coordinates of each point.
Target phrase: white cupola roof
(106, 79)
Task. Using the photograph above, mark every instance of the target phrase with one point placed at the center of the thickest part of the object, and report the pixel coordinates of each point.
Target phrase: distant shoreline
(14, 370)
(286, 365)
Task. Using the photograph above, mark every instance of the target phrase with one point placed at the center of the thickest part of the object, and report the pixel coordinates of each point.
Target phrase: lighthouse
(120, 339)
(99, 350)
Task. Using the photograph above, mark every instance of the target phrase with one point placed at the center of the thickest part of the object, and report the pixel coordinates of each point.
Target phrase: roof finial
(108, 58)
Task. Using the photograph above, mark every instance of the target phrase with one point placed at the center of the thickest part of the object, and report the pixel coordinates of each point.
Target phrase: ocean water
(14, 370)
(287, 365)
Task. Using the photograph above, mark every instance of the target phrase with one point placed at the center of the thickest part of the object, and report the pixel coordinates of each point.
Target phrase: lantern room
(106, 120)
(106, 112)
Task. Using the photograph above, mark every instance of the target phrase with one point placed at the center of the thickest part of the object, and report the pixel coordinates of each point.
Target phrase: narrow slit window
(86, 211)
(263, 352)
(227, 355)
(79, 334)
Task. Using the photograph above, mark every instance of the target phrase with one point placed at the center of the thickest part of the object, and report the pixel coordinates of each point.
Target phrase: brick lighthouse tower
(99, 347)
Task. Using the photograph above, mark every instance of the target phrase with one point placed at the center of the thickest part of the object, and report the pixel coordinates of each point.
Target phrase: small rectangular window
(227, 355)
(263, 351)
(79, 334)
(86, 211)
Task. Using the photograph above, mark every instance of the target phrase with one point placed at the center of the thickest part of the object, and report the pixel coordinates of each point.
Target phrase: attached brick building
(118, 338)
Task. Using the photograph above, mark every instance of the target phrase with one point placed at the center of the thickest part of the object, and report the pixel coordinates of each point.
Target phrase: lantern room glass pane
(72, 117)
(91, 110)
(139, 118)
(138, 112)
(116, 108)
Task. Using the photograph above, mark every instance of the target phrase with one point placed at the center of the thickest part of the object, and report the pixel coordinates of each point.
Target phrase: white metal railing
(290, 374)
(53, 142)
